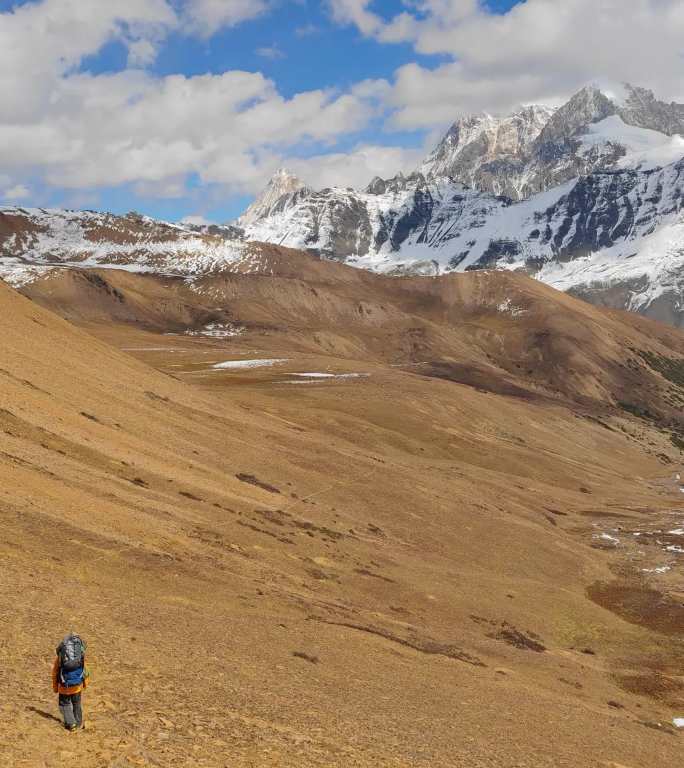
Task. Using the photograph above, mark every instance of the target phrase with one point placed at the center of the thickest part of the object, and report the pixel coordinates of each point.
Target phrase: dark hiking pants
(70, 707)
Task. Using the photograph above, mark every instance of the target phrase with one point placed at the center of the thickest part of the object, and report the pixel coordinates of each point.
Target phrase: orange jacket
(57, 686)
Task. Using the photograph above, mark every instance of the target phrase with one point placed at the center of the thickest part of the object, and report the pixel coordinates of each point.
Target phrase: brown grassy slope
(491, 330)
(365, 594)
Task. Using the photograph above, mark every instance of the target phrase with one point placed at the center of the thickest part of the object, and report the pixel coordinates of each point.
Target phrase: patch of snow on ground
(155, 349)
(678, 722)
(659, 569)
(250, 363)
(511, 309)
(218, 331)
(317, 377)
(332, 375)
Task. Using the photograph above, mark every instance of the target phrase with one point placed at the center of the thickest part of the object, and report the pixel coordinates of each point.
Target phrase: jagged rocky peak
(641, 108)
(589, 105)
(398, 183)
(377, 186)
(282, 183)
(536, 147)
(479, 138)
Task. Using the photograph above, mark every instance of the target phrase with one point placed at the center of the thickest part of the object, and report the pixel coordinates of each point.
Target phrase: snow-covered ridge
(598, 211)
(282, 183)
(35, 240)
(587, 197)
(537, 147)
(644, 149)
(622, 228)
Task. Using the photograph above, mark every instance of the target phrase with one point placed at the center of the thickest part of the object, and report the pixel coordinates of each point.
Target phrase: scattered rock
(306, 656)
(251, 480)
(509, 634)
(189, 495)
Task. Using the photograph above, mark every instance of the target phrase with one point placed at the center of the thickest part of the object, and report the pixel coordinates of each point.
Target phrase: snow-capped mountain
(539, 147)
(594, 204)
(606, 221)
(34, 241)
(490, 153)
(618, 232)
(640, 107)
(282, 183)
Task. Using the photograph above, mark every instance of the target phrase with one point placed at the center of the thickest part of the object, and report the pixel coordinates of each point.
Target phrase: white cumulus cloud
(357, 167)
(539, 50)
(206, 17)
(141, 53)
(78, 130)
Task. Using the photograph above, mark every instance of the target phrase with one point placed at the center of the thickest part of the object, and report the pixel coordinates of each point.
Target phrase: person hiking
(69, 678)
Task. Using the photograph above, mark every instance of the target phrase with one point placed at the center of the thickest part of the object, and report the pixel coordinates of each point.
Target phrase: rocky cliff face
(641, 108)
(559, 154)
(537, 147)
(283, 183)
(490, 153)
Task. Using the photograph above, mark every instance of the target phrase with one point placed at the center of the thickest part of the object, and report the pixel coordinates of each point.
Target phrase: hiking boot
(71, 728)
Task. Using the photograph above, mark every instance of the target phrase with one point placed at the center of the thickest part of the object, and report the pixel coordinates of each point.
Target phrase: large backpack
(71, 652)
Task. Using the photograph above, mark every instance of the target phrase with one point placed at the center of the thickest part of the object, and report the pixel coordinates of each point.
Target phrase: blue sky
(316, 53)
(186, 107)
(310, 52)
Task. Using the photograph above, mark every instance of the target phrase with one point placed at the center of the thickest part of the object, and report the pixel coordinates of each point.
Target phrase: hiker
(69, 678)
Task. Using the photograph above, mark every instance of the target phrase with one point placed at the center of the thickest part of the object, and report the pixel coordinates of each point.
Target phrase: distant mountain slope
(35, 240)
(497, 330)
(539, 147)
(587, 197)
(616, 237)
(283, 183)
(607, 226)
